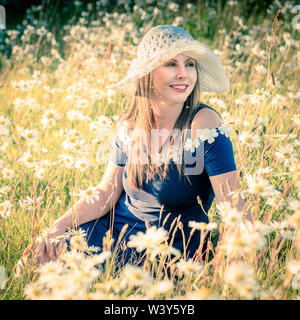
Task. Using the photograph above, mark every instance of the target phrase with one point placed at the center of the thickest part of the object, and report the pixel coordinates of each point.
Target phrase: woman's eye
(172, 64)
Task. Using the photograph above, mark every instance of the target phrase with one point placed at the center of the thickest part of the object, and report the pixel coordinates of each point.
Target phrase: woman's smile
(179, 88)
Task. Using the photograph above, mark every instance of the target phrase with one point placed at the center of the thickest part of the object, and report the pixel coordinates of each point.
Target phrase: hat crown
(160, 38)
(164, 42)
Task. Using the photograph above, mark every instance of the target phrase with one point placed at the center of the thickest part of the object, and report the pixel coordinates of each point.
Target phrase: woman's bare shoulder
(206, 118)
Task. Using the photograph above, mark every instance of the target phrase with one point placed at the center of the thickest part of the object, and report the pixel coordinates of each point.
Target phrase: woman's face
(174, 80)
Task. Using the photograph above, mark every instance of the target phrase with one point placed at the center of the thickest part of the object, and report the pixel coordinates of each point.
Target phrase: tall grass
(57, 120)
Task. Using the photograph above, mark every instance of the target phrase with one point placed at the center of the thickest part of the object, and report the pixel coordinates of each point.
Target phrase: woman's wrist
(59, 227)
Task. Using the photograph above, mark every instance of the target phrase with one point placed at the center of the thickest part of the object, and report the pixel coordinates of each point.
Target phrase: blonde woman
(170, 151)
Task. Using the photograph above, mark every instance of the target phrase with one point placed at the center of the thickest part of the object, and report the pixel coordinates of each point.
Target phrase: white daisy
(4, 121)
(230, 215)
(5, 208)
(149, 240)
(191, 144)
(208, 135)
(91, 194)
(7, 173)
(29, 134)
(50, 117)
(188, 266)
(260, 186)
(40, 173)
(67, 160)
(224, 130)
(136, 276)
(249, 139)
(28, 159)
(83, 163)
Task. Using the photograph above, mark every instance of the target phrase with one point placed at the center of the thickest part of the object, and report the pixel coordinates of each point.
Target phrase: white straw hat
(164, 42)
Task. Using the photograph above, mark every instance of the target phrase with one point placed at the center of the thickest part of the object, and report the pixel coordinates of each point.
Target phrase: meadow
(57, 120)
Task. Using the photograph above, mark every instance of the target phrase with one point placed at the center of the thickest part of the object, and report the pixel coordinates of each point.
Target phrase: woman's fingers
(60, 247)
(43, 250)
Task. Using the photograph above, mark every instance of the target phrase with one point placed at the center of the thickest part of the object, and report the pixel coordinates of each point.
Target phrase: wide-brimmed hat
(164, 42)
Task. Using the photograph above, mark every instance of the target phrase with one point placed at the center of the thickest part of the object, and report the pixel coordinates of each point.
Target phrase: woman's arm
(110, 189)
(223, 185)
(226, 183)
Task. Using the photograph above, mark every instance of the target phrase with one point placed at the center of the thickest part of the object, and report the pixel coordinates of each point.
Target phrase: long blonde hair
(138, 114)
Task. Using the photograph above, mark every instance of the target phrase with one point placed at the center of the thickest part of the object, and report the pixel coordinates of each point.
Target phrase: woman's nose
(181, 72)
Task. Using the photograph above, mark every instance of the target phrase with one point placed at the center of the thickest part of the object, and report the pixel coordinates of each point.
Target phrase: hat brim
(212, 76)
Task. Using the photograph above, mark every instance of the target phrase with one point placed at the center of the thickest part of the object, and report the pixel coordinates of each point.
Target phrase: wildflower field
(57, 120)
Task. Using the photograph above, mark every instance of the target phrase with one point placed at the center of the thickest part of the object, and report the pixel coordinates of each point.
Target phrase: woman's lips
(179, 88)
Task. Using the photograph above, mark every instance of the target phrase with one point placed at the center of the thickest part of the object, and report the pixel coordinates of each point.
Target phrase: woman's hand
(49, 246)
(46, 248)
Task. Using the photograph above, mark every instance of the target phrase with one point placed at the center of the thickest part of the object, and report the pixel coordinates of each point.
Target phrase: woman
(170, 150)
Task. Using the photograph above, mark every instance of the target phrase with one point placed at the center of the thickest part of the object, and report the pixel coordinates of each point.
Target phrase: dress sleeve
(218, 151)
(118, 153)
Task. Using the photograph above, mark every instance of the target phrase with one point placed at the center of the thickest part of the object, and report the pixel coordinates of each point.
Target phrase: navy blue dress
(214, 155)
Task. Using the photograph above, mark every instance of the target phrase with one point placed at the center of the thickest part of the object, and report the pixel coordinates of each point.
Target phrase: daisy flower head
(50, 117)
(206, 134)
(28, 160)
(4, 133)
(202, 225)
(7, 173)
(242, 277)
(28, 134)
(150, 240)
(252, 238)
(4, 122)
(164, 250)
(263, 171)
(160, 287)
(230, 215)
(67, 160)
(191, 144)
(293, 266)
(40, 173)
(260, 186)
(258, 96)
(4, 190)
(102, 127)
(227, 119)
(91, 194)
(285, 154)
(28, 203)
(83, 163)
(135, 276)
(104, 122)
(5, 209)
(82, 103)
(249, 139)
(188, 267)
(223, 130)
